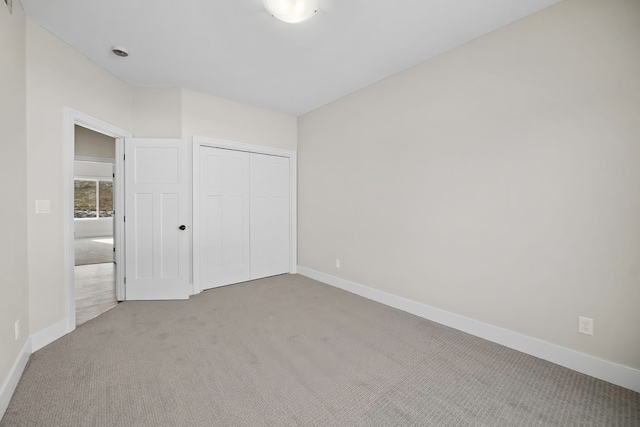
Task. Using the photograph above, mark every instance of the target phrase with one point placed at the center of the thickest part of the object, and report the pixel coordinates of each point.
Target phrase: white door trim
(118, 225)
(71, 119)
(200, 141)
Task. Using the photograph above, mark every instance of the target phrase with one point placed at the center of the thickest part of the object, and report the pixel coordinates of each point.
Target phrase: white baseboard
(10, 384)
(614, 373)
(34, 343)
(48, 335)
(81, 235)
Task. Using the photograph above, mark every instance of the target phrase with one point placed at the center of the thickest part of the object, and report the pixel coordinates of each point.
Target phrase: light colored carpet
(93, 250)
(289, 351)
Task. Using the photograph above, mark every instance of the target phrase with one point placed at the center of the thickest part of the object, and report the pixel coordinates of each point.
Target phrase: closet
(244, 216)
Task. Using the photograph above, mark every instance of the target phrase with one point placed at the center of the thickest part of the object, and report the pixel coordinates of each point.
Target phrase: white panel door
(157, 219)
(270, 215)
(224, 217)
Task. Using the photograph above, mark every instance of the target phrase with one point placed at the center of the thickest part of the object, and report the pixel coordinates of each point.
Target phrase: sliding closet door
(270, 215)
(224, 217)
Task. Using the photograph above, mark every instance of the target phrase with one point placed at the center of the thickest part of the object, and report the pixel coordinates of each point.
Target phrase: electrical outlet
(17, 329)
(585, 325)
(337, 263)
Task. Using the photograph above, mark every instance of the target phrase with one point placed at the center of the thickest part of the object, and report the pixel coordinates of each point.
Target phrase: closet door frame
(200, 141)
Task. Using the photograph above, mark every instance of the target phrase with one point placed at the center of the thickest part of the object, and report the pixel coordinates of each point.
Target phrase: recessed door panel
(156, 165)
(224, 217)
(212, 225)
(143, 240)
(270, 216)
(170, 234)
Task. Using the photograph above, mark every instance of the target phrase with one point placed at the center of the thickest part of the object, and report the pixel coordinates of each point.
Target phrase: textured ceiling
(234, 49)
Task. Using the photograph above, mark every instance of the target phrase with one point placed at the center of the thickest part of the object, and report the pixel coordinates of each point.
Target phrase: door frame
(201, 141)
(71, 119)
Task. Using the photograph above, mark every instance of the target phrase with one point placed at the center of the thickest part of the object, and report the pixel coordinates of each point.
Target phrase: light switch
(43, 206)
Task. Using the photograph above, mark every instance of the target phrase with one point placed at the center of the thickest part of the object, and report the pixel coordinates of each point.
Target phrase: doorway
(93, 219)
(82, 165)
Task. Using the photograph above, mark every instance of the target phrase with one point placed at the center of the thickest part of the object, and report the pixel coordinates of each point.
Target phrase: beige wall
(498, 181)
(93, 144)
(182, 113)
(157, 113)
(213, 117)
(58, 76)
(14, 303)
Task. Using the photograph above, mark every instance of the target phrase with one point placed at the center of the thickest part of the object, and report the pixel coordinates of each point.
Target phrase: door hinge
(114, 249)
(125, 280)
(113, 175)
(124, 219)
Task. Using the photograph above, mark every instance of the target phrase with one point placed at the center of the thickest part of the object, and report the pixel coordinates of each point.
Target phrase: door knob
(183, 227)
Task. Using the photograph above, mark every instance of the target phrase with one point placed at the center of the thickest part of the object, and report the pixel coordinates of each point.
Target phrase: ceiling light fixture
(292, 11)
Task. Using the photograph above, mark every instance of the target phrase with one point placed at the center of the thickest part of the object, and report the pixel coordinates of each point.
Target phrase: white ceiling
(234, 49)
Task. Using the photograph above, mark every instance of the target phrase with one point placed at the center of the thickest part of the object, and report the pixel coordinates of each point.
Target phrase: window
(93, 198)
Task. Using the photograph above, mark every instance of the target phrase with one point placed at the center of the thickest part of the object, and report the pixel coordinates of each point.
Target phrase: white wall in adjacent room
(93, 144)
